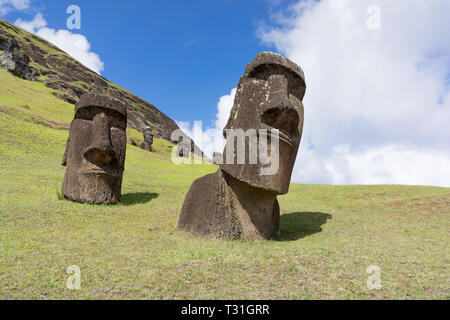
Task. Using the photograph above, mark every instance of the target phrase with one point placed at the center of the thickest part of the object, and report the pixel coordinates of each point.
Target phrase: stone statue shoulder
(198, 211)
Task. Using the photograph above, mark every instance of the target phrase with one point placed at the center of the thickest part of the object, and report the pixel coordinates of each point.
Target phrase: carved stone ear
(64, 159)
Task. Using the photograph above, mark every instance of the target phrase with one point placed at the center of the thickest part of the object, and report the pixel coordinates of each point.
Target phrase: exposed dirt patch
(50, 123)
(424, 203)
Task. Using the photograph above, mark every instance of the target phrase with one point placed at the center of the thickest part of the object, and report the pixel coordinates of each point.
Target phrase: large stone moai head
(239, 201)
(269, 96)
(95, 151)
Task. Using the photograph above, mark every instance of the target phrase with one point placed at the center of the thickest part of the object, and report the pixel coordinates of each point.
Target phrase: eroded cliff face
(30, 57)
(15, 61)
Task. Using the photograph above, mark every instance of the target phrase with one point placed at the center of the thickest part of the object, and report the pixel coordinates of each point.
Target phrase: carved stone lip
(96, 171)
(281, 136)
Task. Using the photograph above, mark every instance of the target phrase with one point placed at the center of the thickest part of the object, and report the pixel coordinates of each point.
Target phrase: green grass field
(329, 234)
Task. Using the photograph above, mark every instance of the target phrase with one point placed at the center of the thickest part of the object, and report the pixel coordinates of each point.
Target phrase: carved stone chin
(239, 201)
(95, 150)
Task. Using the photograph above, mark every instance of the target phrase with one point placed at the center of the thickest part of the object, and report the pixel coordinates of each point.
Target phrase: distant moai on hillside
(148, 139)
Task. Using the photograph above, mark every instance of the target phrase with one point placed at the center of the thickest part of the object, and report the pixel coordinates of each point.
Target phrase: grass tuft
(59, 194)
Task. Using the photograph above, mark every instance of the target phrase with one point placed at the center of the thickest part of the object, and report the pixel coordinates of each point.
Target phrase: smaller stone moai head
(269, 96)
(148, 134)
(148, 139)
(95, 150)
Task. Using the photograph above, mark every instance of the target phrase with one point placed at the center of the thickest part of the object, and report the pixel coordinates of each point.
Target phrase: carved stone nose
(100, 151)
(278, 110)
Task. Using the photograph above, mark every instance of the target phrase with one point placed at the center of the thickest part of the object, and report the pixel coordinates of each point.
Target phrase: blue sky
(179, 55)
(377, 104)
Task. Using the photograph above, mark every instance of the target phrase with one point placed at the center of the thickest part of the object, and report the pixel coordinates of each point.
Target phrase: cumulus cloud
(9, 5)
(377, 107)
(211, 140)
(74, 44)
(224, 108)
(32, 26)
(386, 164)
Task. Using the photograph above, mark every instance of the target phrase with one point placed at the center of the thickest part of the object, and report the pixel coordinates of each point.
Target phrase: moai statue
(148, 139)
(239, 201)
(95, 150)
(185, 146)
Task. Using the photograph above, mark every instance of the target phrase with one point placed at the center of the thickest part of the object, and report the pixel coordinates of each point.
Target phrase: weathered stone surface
(95, 150)
(219, 205)
(148, 139)
(186, 146)
(238, 202)
(15, 60)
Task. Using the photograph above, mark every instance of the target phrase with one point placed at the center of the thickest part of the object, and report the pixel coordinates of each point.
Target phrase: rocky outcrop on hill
(15, 61)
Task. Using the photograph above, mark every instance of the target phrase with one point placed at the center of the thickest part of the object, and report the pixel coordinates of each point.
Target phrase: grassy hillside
(25, 99)
(329, 235)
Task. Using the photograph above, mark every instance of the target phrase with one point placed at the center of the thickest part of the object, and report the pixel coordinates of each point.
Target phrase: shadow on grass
(299, 225)
(130, 199)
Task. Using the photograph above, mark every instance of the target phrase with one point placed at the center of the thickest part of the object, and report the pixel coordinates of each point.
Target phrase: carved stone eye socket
(284, 119)
(296, 85)
(116, 119)
(100, 157)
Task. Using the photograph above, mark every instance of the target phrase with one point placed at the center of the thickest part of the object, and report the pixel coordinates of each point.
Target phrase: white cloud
(213, 140)
(383, 94)
(386, 164)
(32, 26)
(9, 5)
(74, 44)
(396, 164)
(377, 107)
(224, 108)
